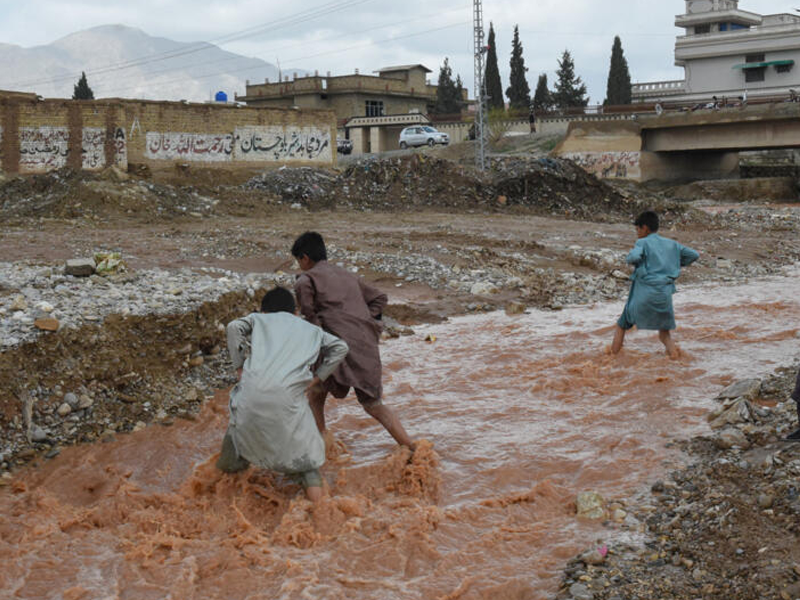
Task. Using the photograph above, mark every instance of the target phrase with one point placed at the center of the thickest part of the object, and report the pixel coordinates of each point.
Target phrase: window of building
(754, 75)
(723, 27)
(783, 68)
(754, 58)
(374, 108)
(702, 29)
(735, 26)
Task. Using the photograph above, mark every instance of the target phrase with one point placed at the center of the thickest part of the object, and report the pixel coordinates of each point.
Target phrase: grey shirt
(271, 423)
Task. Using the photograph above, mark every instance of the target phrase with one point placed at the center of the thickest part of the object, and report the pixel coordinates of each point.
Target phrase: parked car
(419, 135)
(344, 146)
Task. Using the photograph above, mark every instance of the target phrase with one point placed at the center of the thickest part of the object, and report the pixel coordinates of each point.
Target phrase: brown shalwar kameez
(342, 304)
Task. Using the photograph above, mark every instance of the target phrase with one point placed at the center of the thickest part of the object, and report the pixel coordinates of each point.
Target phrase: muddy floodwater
(520, 413)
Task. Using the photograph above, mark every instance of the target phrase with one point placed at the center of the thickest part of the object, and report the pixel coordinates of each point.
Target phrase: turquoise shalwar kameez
(658, 261)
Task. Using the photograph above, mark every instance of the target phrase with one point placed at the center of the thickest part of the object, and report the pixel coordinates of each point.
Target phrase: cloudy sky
(343, 35)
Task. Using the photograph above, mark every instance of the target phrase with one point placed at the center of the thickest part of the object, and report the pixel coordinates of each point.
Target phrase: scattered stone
(72, 400)
(482, 288)
(46, 324)
(746, 388)
(590, 505)
(730, 437)
(765, 500)
(64, 409)
(580, 592)
(85, 402)
(38, 434)
(196, 361)
(18, 304)
(80, 267)
(515, 308)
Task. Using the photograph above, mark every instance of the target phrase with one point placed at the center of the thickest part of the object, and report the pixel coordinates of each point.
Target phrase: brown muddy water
(521, 413)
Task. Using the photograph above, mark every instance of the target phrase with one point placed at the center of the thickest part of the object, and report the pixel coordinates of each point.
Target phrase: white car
(419, 135)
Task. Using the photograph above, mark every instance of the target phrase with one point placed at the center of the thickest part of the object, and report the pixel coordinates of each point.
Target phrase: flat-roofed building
(729, 52)
(394, 90)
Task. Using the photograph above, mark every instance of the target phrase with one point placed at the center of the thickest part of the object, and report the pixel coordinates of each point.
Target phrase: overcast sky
(343, 35)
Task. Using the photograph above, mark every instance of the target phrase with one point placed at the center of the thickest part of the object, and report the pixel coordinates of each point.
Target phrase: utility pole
(480, 91)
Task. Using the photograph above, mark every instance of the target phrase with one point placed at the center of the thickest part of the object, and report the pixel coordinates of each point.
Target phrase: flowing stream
(521, 413)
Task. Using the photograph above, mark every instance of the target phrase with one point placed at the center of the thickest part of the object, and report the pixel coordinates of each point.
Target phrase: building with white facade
(728, 52)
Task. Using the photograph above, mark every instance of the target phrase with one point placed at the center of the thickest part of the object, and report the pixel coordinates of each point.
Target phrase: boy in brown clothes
(343, 305)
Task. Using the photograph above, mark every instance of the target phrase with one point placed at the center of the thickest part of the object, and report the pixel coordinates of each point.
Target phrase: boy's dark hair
(278, 300)
(648, 218)
(310, 244)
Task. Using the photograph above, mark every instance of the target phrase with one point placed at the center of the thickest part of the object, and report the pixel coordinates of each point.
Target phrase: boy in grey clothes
(271, 423)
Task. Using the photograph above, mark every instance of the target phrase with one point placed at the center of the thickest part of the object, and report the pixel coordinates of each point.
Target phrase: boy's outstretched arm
(636, 255)
(305, 293)
(688, 256)
(376, 300)
(239, 331)
(334, 350)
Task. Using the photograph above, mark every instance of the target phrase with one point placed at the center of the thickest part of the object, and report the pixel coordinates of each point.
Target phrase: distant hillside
(52, 71)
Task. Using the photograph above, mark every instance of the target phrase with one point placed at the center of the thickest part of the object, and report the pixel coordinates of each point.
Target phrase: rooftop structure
(729, 52)
(394, 90)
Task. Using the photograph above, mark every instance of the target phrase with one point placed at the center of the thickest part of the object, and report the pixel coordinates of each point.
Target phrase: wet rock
(745, 388)
(590, 505)
(731, 413)
(578, 591)
(595, 556)
(80, 267)
(482, 288)
(515, 308)
(730, 437)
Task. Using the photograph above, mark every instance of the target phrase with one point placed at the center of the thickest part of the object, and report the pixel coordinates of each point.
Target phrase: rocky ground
(84, 358)
(726, 526)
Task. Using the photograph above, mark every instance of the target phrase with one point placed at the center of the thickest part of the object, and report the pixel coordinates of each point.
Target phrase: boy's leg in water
(316, 400)
(312, 484)
(229, 461)
(619, 338)
(666, 339)
(386, 417)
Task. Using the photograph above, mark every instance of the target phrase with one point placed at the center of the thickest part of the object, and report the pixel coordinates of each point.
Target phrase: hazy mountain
(123, 62)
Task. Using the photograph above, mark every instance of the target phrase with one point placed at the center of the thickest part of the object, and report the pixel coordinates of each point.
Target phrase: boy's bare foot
(314, 494)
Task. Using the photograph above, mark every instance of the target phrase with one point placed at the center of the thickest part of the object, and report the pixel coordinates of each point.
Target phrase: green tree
(518, 92)
(82, 91)
(448, 92)
(618, 90)
(542, 98)
(570, 90)
(494, 87)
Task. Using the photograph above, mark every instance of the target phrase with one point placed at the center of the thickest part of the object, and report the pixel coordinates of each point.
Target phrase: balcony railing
(659, 87)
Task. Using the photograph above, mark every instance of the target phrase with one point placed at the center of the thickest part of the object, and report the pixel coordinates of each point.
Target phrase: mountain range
(124, 62)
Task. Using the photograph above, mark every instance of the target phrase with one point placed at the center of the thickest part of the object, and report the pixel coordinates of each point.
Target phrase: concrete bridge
(703, 144)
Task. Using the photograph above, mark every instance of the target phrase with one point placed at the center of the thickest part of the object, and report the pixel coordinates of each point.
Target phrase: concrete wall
(41, 135)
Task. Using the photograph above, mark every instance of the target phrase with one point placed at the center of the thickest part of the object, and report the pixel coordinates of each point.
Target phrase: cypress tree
(518, 92)
(494, 87)
(570, 90)
(448, 96)
(618, 90)
(542, 98)
(81, 90)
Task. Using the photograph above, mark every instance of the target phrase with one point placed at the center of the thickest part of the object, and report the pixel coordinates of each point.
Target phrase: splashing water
(519, 414)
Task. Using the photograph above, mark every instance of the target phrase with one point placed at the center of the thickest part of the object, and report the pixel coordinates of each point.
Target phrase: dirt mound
(68, 194)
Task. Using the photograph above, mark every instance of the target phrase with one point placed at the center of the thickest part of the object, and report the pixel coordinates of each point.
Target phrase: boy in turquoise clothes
(658, 263)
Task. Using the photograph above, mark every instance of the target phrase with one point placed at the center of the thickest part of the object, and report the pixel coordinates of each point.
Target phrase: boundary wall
(38, 135)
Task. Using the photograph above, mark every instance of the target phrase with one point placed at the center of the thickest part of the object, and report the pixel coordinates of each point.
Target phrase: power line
(296, 19)
(283, 48)
(391, 39)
